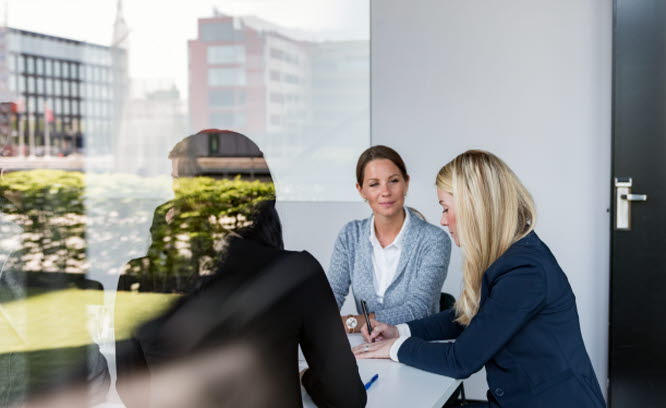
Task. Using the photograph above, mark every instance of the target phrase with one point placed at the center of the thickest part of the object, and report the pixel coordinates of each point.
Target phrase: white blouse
(385, 260)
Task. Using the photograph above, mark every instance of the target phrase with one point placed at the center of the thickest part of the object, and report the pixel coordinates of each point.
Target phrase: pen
(372, 380)
(364, 306)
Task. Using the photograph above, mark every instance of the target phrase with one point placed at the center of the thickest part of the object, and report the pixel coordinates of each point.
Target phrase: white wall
(527, 79)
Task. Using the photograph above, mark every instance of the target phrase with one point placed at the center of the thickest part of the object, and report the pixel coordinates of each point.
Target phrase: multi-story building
(246, 76)
(67, 93)
(252, 76)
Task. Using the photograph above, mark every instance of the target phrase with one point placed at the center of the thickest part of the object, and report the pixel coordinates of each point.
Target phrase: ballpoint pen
(372, 381)
(364, 306)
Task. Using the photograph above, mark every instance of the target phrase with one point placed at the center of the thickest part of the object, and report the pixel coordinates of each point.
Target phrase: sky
(159, 30)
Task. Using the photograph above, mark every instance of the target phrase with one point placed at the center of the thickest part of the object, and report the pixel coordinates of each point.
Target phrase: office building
(69, 93)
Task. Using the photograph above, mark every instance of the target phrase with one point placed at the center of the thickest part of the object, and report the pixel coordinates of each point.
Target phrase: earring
(405, 194)
(365, 200)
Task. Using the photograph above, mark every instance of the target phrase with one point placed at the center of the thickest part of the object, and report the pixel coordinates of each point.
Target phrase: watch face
(351, 322)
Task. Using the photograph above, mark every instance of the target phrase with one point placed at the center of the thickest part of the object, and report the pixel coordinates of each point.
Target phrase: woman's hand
(380, 331)
(380, 349)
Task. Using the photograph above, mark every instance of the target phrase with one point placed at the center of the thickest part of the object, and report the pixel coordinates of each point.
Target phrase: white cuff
(393, 352)
(403, 330)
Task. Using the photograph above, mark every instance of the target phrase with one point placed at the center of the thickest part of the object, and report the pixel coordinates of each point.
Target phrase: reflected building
(154, 119)
(251, 75)
(247, 74)
(303, 97)
(66, 93)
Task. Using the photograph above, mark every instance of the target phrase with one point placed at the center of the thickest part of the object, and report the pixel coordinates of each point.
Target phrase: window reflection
(86, 200)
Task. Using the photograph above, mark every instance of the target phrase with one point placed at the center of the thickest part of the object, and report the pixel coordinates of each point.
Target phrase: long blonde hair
(493, 211)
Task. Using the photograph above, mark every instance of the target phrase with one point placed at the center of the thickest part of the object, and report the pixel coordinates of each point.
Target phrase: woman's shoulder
(528, 253)
(300, 262)
(428, 231)
(355, 228)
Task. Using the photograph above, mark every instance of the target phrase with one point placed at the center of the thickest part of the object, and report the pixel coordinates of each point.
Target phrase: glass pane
(121, 187)
(226, 54)
(226, 77)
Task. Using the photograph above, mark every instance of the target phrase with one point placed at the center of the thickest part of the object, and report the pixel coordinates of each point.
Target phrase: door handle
(623, 200)
(634, 197)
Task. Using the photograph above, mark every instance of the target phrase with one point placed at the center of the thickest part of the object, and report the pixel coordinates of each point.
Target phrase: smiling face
(384, 187)
(448, 213)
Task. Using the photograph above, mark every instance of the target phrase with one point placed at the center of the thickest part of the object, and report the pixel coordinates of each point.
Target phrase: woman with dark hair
(267, 301)
(393, 260)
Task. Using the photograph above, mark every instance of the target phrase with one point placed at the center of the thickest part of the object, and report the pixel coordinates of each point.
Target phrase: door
(637, 360)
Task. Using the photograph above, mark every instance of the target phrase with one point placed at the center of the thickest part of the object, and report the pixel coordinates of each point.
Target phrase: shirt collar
(397, 242)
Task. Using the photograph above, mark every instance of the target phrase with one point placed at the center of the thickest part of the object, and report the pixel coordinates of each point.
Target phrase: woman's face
(448, 213)
(384, 187)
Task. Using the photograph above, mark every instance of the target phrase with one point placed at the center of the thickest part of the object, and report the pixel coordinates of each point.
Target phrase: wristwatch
(351, 323)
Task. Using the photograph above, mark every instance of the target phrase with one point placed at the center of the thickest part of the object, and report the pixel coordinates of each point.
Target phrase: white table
(398, 385)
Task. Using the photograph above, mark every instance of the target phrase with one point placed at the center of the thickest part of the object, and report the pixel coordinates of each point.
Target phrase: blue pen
(372, 380)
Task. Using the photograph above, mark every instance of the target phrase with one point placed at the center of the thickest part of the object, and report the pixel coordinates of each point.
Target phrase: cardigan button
(499, 392)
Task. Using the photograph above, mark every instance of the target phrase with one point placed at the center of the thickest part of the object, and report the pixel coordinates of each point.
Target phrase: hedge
(73, 222)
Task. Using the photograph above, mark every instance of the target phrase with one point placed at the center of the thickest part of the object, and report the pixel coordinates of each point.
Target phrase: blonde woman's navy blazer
(526, 333)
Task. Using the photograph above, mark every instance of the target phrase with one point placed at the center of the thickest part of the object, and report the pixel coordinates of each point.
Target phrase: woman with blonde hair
(516, 314)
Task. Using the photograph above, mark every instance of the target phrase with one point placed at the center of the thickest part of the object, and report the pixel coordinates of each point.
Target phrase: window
(30, 69)
(226, 54)
(276, 54)
(291, 79)
(225, 97)
(220, 31)
(226, 76)
(48, 67)
(40, 66)
(40, 85)
(277, 98)
(226, 120)
(31, 85)
(221, 120)
(56, 69)
(213, 143)
(21, 64)
(12, 63)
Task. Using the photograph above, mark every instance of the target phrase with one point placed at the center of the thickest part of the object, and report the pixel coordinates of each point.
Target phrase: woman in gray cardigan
(394, 260)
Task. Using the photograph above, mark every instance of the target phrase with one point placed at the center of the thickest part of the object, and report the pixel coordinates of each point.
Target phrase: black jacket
(264, 302)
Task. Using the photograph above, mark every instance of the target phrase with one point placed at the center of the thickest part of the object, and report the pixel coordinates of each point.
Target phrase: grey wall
(528, 80)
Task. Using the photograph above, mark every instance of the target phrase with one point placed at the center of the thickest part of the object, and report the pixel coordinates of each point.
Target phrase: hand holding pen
(366, 315)
(380, 332)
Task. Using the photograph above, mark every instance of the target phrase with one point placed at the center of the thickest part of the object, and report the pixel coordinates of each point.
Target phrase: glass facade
(110, 212)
